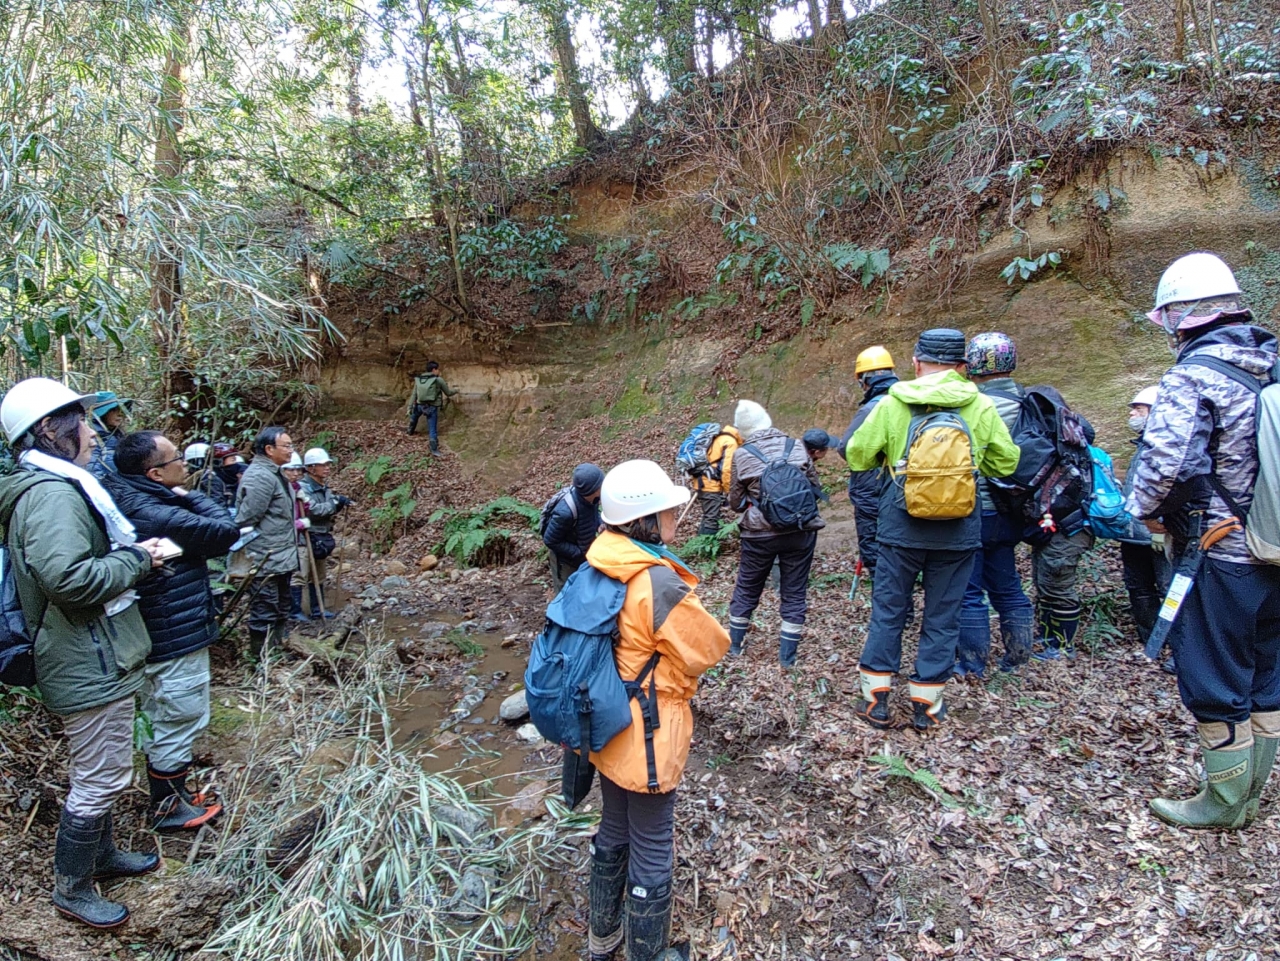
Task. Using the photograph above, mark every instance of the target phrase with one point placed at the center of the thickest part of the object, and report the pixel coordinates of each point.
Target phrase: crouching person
(75, 559)
(633, 852)
(177, 607)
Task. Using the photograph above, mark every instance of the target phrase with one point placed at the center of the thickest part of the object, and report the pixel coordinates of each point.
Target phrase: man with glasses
(177, 607)
(265, 501)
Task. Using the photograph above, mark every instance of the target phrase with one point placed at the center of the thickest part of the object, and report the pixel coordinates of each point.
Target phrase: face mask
(1138, 423)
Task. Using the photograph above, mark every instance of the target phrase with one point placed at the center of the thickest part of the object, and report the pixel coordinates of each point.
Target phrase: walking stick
(688, 507)
(315, 574)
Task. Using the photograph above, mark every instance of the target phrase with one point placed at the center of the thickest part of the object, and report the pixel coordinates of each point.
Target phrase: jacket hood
(878, 383)
(731, 431)
(14, 485)
(1249, 348)
(622, 558)
(944, 389)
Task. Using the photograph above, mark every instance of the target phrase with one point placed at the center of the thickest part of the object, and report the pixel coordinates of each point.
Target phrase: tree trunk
(815, 17)
(1180, 30)
(585, 131)
(835, 12)
(166, 268)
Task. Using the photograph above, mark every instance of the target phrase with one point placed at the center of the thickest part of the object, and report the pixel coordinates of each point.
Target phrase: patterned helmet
(991, 353)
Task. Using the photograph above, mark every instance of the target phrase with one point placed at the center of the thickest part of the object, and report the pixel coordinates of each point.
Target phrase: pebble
(371, 592)
(396, 567)
(395, 582)
(434, 628)
(515, 708)
(368, 604)
(528, 733)
(466, 627)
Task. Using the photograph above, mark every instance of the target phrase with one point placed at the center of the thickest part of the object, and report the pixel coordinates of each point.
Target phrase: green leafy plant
(398, 505)
(895, 765)
(16, 702)
(1025, 268)
(707, 547)
(469, 538)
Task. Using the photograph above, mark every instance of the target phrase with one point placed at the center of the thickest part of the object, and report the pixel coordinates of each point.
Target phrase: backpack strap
(1244, 379)
(573, 502)
(648, 702)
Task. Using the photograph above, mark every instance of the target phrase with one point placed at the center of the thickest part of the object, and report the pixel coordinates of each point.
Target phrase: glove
(344, 500)
(302, 523)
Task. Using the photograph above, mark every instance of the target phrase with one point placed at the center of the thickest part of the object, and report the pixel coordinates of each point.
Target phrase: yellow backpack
(937, 474)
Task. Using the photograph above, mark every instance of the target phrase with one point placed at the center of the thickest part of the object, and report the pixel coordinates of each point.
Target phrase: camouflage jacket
(1203, 421)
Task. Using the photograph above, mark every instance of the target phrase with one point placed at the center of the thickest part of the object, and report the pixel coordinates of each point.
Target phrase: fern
(850, 258)
(896, 766)
(468, 537)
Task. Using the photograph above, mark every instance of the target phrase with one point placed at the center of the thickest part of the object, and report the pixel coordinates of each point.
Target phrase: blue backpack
(1106, 512)
(575, 694)
(691, 456)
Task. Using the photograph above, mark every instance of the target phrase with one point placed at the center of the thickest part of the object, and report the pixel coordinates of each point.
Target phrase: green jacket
(65, 572)
(882, 438)
(882, 441)
(264, 500)
(429, 390)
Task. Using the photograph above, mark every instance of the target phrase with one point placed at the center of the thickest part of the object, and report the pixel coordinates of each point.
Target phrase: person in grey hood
(1194, 478)
(573, 523)
(75, 561)
(764, 446)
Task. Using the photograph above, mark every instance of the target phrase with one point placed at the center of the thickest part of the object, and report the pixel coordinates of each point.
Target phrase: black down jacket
(176, 602)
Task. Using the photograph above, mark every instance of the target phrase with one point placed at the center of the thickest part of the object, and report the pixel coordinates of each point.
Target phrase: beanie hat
(587, 479)
(942, 345)
(815, 438)
(751, 417)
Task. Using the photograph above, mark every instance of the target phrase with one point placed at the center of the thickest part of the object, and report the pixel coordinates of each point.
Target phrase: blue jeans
(433, 421)
(995, 578)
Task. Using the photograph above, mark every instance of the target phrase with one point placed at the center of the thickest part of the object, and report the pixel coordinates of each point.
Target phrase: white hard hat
(198, 452)
(1195, 277)
(317, 455)
(1145, 396)
(295, 462)
(33, 399)
(638, 488)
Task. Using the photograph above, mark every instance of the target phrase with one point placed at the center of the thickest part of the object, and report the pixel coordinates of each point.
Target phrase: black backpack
(787, 498)
(17, 647)
(1054, 475)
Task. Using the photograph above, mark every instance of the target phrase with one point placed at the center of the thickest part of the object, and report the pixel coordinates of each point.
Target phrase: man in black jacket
(573, 523)
(177, 606)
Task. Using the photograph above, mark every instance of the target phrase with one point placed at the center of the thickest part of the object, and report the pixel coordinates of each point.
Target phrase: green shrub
(469, 538)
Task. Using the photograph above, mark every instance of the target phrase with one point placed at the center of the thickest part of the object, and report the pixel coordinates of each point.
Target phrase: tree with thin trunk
(568, 76)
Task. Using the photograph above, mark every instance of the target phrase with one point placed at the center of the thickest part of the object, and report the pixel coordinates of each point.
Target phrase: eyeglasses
(282, 446)
(175, 460)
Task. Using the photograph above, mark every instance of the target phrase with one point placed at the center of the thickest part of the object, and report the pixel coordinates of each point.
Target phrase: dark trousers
(1146, 577)
(794, 553)
(560, 570)
(995, 571)
(1226, 641)
(644, 821)
(270, 602)
(433, 421)
(945, 575)
(712, 503)
(866, 520)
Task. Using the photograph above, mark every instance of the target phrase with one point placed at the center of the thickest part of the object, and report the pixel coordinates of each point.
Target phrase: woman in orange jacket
(640, 768)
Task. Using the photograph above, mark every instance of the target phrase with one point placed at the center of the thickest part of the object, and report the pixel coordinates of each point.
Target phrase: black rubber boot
(1016, 633)
(873, 706)
(171, 809)
(257, 644)
(649, 924)
(295, 604)
(74, 893)
(114, 863)
(607, 891)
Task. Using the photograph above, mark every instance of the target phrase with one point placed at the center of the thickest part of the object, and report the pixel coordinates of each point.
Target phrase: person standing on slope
(1194, 478)
(874, 371)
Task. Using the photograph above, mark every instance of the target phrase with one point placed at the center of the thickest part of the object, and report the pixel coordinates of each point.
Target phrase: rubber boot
(171, 811)
(873, 707)
(1058, 627)
(111, 862)
(926, 701)
(315, 598)
(738, 627)
(1266, 737)
(1145, 608)
(1224, 796)
(975, 643)
(295, 604)
(257, 644)
(649, 924)
(1016, 632)
(75, 854)
(789, 643)
(607, 896)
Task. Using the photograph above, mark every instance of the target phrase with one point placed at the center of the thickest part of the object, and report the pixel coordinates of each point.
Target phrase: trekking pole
(684, 513)
(240, 592)
(342, 548)
(857, 576)
(315, 574)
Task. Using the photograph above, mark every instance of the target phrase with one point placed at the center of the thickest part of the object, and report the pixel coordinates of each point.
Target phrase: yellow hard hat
(873, 358)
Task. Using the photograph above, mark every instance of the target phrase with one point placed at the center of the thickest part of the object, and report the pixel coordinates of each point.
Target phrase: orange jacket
(720, 453)
(661, 613)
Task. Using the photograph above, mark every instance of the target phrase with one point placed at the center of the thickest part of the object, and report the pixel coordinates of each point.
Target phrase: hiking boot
(649, 924)
(607, 891)
(1224, 795)
(75, 854)
(789, 643)
(926, 701)
(295, 605)
(1266, 737)
(173, 806)
(1016, 633)
(111, 862)
(873, 707)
